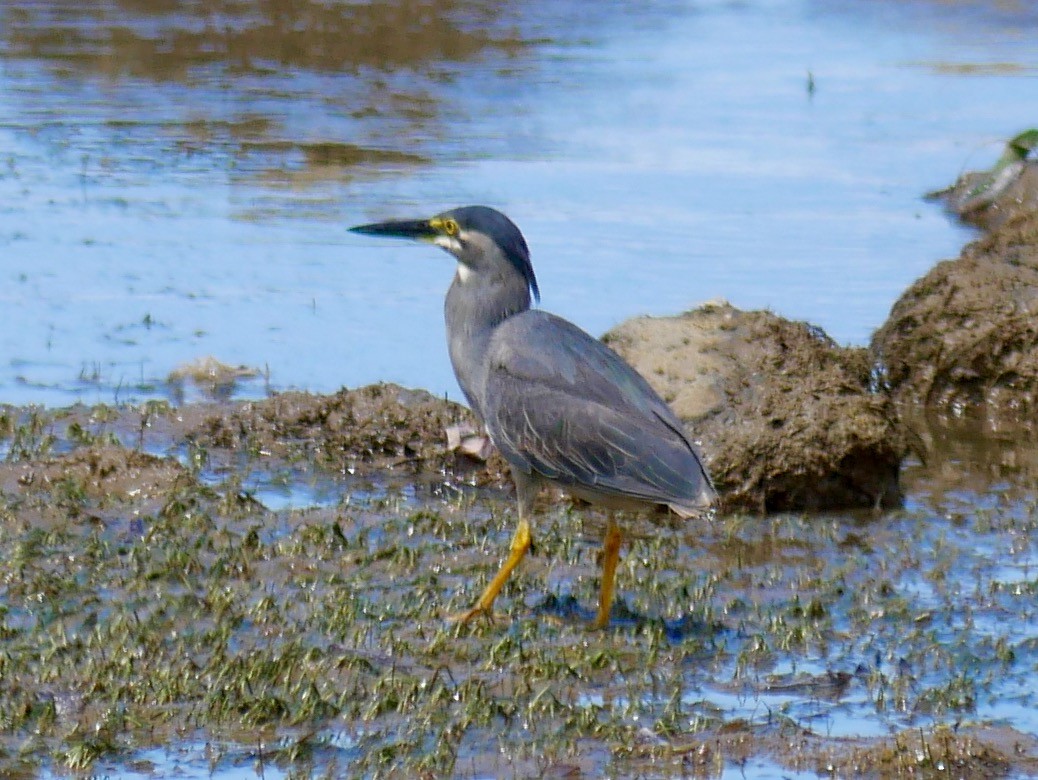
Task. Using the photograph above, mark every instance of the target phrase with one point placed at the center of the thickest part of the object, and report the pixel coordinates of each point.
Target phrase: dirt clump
(786, 417)
(108, 471)
(964, 338)
(967, 753)
(382, 426)
(989, 198)
(99, 482)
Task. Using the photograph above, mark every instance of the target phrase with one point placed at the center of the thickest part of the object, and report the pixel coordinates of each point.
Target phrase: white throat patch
(464, 272)
(450, 243)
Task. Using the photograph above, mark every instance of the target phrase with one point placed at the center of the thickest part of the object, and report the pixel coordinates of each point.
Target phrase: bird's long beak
(417, 229)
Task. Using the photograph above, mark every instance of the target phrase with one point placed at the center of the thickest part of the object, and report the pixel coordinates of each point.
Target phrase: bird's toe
(470, 614)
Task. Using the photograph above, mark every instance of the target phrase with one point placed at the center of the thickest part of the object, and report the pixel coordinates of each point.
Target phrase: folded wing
(562, 404)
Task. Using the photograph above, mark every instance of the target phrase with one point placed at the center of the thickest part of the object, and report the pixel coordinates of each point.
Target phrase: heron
(560, 406)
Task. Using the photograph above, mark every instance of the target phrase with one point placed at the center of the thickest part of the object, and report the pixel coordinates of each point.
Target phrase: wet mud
(377, 427)
(788, 420)
(148, 593)
(964, 338)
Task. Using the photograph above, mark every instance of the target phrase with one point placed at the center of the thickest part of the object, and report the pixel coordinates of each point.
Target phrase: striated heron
(559, 405)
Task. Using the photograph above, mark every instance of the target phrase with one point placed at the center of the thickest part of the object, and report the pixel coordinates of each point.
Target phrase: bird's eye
(450, 227)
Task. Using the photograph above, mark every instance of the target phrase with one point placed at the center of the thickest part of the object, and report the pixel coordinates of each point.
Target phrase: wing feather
(561, 403)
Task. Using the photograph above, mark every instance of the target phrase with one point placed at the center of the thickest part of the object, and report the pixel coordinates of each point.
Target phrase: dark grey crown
(505, 234)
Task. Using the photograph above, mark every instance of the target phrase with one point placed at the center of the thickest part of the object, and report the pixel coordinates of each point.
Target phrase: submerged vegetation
(149, 599)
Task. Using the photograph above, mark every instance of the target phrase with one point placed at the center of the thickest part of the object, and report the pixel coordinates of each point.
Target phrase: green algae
(146, 600)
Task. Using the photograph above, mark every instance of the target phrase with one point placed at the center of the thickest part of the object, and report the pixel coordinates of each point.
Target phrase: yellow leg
(520, 544)
(610, 557)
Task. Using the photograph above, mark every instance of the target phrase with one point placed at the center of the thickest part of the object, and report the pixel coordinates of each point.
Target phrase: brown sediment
(377, 427)
(963, 339)
(788, 419)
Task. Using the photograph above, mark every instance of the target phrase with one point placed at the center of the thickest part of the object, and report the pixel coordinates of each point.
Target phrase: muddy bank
(147, 595)
(380, 426)
(787, 418)
(963, 339)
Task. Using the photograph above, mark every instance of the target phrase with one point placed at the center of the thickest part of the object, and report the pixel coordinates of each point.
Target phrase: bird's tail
(703, 501)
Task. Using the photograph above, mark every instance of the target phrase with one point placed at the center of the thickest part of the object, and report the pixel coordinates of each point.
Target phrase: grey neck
(475, 306)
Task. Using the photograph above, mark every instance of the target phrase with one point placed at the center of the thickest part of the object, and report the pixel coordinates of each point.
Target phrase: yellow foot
(485, 605)
(476, 611)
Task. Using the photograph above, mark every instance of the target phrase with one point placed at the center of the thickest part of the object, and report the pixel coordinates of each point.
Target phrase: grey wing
(564, 405)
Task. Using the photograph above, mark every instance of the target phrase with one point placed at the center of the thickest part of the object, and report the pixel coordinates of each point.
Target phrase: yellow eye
(450, 227)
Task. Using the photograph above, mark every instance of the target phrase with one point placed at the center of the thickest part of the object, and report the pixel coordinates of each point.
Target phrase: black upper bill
(398, 228)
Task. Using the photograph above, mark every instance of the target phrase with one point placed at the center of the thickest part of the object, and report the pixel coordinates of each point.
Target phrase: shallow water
(176, 185)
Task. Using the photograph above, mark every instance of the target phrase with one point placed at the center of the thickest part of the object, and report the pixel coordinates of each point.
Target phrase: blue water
(655, 157)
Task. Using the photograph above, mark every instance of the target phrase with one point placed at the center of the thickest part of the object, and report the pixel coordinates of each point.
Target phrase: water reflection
(971, 461)
(175, 41)
(278, 86)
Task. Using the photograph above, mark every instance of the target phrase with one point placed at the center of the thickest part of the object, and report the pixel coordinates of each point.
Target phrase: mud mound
(97, 482)
(381, 426)
(100, 472)
(990, 198)
(786, 417)
(965, 336)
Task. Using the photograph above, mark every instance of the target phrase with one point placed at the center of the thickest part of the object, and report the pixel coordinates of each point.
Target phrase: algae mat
(155, 613)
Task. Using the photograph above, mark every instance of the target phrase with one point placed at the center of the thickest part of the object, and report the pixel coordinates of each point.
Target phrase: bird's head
(483, 240)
